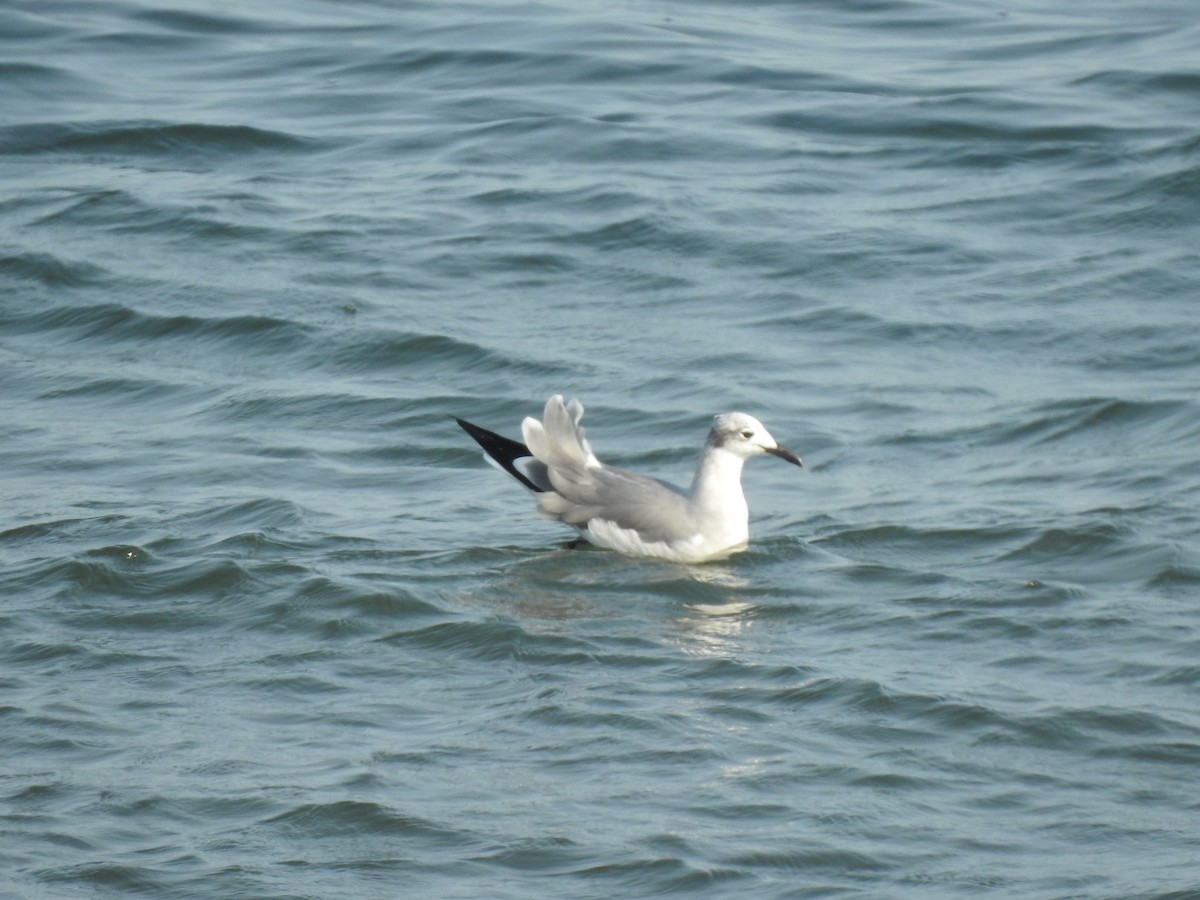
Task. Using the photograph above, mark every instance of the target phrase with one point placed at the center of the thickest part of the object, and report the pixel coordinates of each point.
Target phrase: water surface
(269, 626)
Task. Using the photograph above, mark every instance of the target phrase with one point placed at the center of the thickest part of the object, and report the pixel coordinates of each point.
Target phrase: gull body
(631, 513)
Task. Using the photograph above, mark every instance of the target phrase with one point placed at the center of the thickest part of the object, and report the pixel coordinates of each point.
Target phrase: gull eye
(747, 434)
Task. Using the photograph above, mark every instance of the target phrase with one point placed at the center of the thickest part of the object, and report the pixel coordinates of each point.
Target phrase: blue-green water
(269, 627)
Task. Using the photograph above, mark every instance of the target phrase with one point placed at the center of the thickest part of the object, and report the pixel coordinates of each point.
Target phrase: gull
(630, 513)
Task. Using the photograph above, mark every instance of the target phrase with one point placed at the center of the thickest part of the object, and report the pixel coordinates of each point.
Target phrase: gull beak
(785, 453)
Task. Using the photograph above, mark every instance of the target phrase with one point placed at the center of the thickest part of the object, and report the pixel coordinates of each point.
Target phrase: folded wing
(583, 489)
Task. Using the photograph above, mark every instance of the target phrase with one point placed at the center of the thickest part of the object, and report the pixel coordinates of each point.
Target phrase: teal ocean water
(269, 627)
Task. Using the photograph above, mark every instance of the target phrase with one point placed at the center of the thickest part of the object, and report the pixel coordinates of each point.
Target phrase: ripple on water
(269, 630)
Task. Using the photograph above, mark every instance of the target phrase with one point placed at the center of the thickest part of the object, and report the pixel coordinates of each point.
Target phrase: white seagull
(631, 513)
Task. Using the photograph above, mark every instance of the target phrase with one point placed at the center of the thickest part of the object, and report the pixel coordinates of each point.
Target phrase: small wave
(809, 860)
(388, 352)
(845, 326)
(38, 535)
(352, 599)
(191, 22)
(110, 322)
(493, 641)
(1084, 539)
(1187, 675)
(246, 515)
(1091, 419)
(1166, 200)
(1138, 84)
(1178, 576)
(51, 270)
(129, 880)
(1096, 549)
(518, 68)
(38, 652)
(120, 212)
(37, 80)
(911, 548)
(140, 391)
(351, 817)
(155, 139)
(125, 576)
(646, 232)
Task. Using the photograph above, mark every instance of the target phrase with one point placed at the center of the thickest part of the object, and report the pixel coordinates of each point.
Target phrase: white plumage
(627, 512)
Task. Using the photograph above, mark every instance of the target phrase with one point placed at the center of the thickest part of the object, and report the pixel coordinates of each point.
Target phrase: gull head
(744, 436)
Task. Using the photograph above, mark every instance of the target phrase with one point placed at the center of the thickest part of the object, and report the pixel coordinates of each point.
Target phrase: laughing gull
(631, 513)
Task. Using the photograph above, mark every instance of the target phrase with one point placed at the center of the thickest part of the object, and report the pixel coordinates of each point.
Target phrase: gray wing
(581, 488)
(655, 510)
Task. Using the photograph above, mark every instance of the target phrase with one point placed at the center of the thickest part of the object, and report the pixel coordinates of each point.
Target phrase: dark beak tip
(786, 454)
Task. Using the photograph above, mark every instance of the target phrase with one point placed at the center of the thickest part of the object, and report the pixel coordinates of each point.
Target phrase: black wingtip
(503, 450)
